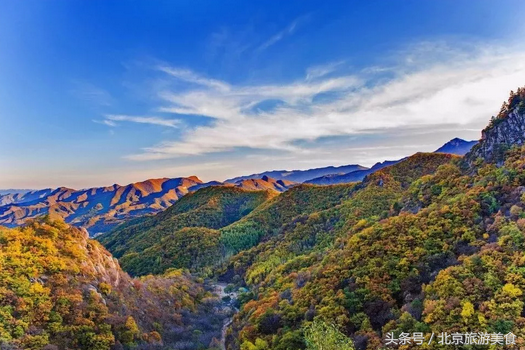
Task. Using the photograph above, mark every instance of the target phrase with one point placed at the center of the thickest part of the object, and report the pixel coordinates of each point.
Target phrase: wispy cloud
(289, 30)
(191, 77)
(322, 70)
(105, 122)
(459, 89)
(111, 120)
(92, 94)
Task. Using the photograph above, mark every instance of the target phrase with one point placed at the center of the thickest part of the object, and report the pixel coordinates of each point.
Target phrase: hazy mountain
(456, 146)
(97, 209)
(353, 176)
(14, 191)
(20, 196)
(300, 175)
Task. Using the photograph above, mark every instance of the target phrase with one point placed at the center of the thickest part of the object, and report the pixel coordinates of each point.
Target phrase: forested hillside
(270, 217)
(185, 235)
(422, 251)
(60, 290)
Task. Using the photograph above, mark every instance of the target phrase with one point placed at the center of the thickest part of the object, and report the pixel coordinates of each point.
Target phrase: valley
(220, 289)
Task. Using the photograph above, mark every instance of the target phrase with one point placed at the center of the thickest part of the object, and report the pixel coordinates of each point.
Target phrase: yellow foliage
(511, 290)
(467, 311)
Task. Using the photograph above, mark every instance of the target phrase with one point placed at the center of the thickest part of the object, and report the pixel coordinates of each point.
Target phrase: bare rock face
(501, 137)
(503, 133)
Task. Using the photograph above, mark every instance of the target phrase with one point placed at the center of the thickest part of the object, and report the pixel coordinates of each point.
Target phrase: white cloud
(289, 30)
(457, 88)
(191, 77)
(111, 120)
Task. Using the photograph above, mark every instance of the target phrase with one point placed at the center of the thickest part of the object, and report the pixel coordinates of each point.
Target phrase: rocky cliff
(504, 131)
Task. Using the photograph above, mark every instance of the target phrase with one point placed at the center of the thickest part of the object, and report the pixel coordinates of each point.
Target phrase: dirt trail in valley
(220, 290)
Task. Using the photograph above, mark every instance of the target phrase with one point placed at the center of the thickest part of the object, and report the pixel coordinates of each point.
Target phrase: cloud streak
(460, 88)
(105, 122)
(289, 30)
(322, 70)
(112, 119)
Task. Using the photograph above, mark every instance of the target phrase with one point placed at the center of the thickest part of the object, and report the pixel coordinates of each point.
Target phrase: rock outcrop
(504, 131)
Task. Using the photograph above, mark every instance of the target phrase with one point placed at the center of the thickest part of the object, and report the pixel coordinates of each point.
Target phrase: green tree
(322, 336)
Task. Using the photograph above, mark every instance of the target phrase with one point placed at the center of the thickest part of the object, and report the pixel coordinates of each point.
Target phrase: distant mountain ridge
(97, 209)
(300, 175)
(264, 183)
(18, 196)
(456, 146)
(353, 176)
(14, 191)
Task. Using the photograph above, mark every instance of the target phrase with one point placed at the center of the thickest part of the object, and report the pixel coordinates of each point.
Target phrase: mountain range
(352, 176)
(96, 209)
(455, 146)
(300, 175)
(101, 209)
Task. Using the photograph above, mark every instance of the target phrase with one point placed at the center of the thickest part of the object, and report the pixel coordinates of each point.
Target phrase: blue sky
(100, 92)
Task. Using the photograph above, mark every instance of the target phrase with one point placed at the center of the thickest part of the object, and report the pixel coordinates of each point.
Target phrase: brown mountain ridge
(102, 208)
